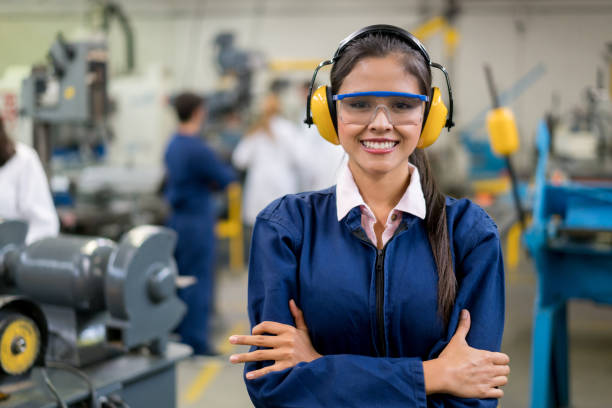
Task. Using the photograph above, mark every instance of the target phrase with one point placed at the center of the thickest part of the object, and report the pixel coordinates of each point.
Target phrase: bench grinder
(83, 299)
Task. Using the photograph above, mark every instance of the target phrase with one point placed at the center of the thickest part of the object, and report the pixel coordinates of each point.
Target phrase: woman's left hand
(286, 346)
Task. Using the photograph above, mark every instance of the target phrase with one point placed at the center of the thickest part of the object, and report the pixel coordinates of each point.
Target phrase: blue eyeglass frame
(340, 97)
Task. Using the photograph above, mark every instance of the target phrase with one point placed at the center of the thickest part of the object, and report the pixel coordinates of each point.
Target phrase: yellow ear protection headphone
(321, 108)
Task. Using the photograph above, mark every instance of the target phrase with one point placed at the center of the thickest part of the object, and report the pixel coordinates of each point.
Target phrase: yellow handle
(231, 228)
(503, 133)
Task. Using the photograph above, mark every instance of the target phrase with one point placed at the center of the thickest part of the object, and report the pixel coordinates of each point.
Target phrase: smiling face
(379, 148)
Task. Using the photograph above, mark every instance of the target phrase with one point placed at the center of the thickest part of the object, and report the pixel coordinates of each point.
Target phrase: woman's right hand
(466, 372)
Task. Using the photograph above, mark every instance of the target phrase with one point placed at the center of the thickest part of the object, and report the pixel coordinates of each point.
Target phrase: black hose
(94, 403)
(113, 10)
(53, 390)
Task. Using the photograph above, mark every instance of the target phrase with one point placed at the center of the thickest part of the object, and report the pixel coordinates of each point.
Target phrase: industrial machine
(68, 104)
(67, 99)
(228, 105)
(56, 93)
(82, 300)
(570, 240)
(236, 68)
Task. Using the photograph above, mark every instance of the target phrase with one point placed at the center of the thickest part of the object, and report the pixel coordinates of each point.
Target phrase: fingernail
(233, 358)
(233, 339)
(464, 314)
(249, 376)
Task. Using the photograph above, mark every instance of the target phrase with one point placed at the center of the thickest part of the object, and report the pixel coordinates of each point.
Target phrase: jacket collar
(348, 196)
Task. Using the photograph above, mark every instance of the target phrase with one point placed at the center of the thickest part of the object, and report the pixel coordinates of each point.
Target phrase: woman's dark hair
(378, 46)
(7, 147)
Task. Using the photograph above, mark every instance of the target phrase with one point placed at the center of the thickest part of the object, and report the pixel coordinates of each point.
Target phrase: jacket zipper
(380, 287)
(380, 300)
(380, 292)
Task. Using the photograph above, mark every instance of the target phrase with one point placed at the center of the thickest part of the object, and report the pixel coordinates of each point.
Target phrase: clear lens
(400, 110)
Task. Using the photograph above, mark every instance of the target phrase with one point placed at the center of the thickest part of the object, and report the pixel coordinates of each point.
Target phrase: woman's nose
(381, 120)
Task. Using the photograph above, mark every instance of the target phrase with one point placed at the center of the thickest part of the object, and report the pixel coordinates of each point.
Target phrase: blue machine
(483, 162)
(570, 240)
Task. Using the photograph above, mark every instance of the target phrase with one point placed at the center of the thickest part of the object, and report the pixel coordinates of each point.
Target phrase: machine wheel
(19, 342)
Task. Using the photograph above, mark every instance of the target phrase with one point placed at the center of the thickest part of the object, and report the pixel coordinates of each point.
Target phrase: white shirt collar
(349, 197)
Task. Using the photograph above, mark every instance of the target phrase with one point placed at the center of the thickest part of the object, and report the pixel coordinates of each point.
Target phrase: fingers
(464, 325)
(499, 381)
(251, 375)
(494, 393)
(500, 358)
(270, 327)
(501, 370)
(257, 355)
(298, 316)
(258, 340)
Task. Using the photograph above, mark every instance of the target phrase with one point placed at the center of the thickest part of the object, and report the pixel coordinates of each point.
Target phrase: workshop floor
(214, 382)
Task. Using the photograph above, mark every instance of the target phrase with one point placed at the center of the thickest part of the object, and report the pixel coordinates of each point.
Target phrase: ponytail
(437, 233)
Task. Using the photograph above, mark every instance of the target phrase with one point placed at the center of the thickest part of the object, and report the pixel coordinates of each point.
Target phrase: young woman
(368, 293)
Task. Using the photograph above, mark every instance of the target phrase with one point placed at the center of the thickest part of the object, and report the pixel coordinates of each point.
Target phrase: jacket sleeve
(330, 381)
(35, 202)
(242, 156)
(207, 166)
(480, 278)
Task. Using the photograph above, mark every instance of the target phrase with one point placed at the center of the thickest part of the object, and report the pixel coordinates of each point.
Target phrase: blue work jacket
(193, 172)
(371, 313)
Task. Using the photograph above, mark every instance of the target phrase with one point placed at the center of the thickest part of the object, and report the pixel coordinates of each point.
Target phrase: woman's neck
(381, 192)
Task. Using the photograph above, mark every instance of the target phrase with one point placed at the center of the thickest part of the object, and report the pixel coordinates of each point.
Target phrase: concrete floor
(214, 382)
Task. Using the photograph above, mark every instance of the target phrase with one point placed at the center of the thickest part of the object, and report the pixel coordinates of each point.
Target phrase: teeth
(378, 145)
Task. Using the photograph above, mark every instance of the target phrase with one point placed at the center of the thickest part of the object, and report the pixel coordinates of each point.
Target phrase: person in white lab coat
(24, 190)
(321, 161)
(270, 154)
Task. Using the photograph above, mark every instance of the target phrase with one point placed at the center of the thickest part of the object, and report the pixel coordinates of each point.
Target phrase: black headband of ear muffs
(404, 35)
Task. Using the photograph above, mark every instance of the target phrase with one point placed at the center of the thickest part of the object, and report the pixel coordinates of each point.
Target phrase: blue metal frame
(340, 97)
(566, 270)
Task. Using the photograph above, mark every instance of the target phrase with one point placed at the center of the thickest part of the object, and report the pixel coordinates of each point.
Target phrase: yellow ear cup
(435, 121)
(321, 115)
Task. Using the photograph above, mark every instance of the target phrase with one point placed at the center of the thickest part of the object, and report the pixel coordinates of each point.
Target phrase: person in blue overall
(379, 291)
(193, 173)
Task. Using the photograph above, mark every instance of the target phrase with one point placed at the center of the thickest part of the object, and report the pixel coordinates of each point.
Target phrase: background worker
(270, 154)
(193, 173)
(24, 190)
(321, 160)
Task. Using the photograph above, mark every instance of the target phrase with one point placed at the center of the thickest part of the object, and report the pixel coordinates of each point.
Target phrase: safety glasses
(401, 108)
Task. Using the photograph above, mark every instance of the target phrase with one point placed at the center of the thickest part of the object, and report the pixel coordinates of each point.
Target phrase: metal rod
(492, 88)
(515, 193)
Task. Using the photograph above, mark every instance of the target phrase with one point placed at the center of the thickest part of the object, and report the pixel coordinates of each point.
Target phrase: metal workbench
(141, 380)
